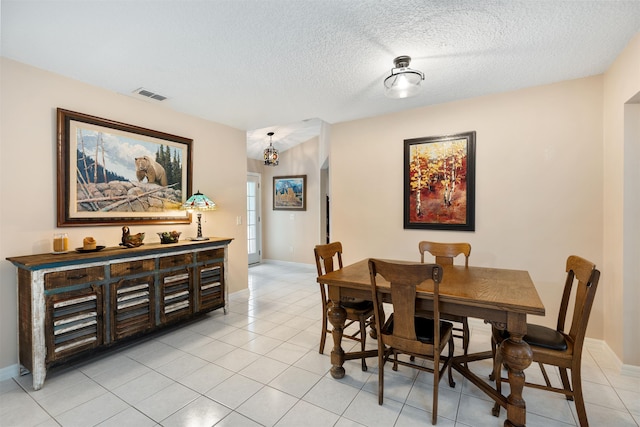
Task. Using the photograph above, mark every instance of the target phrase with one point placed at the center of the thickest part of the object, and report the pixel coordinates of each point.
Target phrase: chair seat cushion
(541, 336)
(424, 328)
(355, 304)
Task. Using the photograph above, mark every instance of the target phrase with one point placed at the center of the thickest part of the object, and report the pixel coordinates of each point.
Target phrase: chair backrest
(404, 278)
(326, 255)
(587, 277)
(445, 252)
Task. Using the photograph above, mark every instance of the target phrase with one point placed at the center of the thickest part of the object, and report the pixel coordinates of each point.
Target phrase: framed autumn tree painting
(439, 182)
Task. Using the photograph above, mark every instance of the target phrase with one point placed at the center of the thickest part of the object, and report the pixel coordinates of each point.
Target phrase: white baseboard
(630, 371)
(9, 372)
(280, 262)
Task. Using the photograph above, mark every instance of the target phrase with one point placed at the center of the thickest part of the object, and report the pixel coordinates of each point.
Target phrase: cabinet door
(74, 322)
(176, 301)
(132, 306)
(210, 286)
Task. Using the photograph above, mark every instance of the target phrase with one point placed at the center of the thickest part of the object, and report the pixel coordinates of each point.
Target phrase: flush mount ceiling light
(270, 153)
(403, 81)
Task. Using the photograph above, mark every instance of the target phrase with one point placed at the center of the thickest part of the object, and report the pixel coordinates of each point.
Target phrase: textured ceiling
(265, 65)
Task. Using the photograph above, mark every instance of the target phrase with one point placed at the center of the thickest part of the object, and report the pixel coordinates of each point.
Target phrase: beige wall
(538, 183)
(28, 175)
(621, 294)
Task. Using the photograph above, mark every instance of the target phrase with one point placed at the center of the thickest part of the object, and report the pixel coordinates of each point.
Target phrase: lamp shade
(403, 81)
(199, 202)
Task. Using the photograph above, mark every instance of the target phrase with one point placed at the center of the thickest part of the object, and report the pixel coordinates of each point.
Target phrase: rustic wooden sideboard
(75, 303)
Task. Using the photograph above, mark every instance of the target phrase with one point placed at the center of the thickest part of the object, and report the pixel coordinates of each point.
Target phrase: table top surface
(511, 290)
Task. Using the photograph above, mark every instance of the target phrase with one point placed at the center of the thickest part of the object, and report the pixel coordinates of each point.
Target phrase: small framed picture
(439, 182)
(290, 193)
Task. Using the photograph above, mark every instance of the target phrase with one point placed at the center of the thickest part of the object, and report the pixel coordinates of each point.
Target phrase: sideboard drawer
(74, 322)
(176, 260)
(215, 254)
(132, 306)
(77, 276)
(132, 267)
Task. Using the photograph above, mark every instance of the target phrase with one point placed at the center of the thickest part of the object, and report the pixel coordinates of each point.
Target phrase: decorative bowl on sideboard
(169, 236)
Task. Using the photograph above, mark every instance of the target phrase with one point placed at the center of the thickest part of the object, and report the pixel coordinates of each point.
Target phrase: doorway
(254, 211)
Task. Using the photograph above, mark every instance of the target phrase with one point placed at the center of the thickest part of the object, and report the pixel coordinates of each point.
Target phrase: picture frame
(290, 193)
(439, 182)
(110, 172)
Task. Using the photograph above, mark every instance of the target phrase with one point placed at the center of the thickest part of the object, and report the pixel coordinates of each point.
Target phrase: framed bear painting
(111, 172)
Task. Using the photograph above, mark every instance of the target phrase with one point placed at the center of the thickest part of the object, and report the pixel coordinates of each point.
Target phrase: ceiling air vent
(148, 94)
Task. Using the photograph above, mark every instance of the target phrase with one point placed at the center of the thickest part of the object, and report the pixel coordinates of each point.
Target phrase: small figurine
(131, 241)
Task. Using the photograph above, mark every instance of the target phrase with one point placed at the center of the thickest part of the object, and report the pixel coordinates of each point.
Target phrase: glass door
(254, 241)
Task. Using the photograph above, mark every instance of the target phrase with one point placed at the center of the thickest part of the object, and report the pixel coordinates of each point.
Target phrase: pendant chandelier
(403, 81)
(270, 153)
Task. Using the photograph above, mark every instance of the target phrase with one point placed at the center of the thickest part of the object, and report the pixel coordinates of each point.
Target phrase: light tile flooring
(259, 366)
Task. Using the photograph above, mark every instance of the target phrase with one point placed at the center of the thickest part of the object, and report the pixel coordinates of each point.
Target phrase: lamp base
(199, 237)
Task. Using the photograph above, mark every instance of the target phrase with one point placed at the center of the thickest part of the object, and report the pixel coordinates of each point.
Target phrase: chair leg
(492, 375)
(544, 374)
(436, 386)
(465, 338)
(381, 359)
(372, 329)
(323, 337)
(497, 375)
(363, 340)
(373, 333)
(577, 394)
(466, 333)
(565, 380)
(452, 383)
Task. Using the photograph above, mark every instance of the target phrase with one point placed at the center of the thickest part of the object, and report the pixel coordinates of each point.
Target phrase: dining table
(500, 297)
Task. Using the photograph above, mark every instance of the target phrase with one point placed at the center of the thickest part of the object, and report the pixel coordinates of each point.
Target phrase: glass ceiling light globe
(403, 81)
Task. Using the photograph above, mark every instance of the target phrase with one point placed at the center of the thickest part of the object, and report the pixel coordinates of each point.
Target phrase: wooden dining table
(501, 297)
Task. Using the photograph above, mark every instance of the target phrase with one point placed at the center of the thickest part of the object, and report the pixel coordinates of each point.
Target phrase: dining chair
(559, 347)
(357, 310)
(404, 332)
(444, 254)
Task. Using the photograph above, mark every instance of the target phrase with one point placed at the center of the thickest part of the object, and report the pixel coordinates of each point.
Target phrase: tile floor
(259, 366)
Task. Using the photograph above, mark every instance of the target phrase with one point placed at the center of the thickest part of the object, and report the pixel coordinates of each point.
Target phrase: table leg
(337, 317)
(517, 356)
